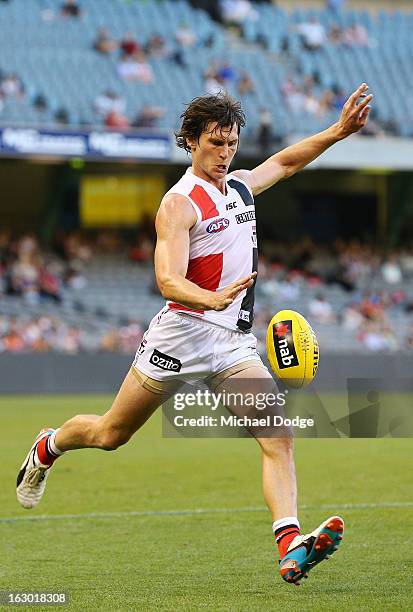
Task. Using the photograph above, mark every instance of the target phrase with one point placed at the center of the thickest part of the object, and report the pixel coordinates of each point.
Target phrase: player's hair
(220, 108)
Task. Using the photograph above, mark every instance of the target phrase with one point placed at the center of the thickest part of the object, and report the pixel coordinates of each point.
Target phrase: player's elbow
(288, 170)
(166, 285)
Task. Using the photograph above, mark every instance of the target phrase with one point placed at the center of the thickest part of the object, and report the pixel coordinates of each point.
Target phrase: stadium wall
(102, 373)
(41, 195)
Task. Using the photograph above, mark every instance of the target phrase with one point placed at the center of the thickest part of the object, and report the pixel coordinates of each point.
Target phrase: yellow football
(292, 348)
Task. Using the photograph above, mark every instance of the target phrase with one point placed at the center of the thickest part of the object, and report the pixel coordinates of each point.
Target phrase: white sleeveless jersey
(223, 246)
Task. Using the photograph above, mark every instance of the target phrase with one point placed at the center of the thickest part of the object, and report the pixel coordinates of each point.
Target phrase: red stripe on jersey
(204, 202)
(174, 306)
(205, 272)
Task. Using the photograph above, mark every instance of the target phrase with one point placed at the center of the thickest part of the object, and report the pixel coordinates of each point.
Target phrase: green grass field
(168, 556)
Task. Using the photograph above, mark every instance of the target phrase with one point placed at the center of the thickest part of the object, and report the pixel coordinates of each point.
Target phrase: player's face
(213, 153)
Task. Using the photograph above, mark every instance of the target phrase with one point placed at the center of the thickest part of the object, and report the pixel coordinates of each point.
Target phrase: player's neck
(220, 184)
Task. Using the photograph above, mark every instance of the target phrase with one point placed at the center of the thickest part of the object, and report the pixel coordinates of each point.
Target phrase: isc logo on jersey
(219, 225)
(292, 348)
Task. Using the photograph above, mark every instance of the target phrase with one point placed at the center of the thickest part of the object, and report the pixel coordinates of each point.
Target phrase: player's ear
(191, 142)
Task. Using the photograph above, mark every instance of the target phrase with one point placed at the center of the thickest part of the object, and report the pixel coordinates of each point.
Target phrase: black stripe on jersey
(243, 191)
(248, 301)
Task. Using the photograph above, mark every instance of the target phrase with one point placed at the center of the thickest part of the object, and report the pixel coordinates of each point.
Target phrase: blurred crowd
(133, 65)
(36, 273)
(11, 86)
(33, 273)
(46, 333)
(376, 288)
(350, 264)
(39, 334)
(133, 54)
(299, 96)
(351, 287)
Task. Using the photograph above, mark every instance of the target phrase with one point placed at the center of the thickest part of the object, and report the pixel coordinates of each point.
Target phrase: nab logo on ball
(284, 344)
(219, 225)
(165, 362)
(292, 348)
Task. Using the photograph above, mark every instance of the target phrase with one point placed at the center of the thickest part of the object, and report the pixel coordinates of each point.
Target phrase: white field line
(197, 511)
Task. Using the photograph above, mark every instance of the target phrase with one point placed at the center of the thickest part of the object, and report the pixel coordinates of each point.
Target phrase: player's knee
(274, 447)
(111, 439)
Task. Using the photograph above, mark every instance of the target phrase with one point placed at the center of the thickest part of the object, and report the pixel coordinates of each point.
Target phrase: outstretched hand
(355, 114)
(225, 297)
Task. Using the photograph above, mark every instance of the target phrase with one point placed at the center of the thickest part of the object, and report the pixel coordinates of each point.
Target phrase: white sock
(52, 444)
(288, 520)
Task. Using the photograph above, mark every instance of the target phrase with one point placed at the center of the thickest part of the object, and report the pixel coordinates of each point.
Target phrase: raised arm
(287, 162)
(175, 218)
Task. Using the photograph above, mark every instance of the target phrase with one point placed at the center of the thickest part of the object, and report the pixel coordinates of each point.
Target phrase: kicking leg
(133, 405)
(298, 553)
(278, 470)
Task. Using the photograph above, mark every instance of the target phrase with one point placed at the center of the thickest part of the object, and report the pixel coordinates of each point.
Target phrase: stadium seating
(119, 291)
(54, 57)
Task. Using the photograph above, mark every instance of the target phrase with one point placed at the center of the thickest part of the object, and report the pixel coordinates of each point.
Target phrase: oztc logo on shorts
(165, 362)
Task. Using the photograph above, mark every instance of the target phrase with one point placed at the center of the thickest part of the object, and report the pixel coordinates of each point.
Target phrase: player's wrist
(338, 131)
(211, 302)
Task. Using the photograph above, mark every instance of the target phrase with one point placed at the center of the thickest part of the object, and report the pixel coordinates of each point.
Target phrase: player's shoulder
(243, 176)
(184, 185)
(176, 206)
(179, 200)
(241, 180)
(175, 202)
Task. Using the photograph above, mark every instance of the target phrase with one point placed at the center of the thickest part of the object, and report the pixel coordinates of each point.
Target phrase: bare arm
(287, 162)
(173, 222)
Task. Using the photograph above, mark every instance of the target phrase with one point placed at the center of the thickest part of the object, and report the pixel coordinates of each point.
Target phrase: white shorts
(179, 347)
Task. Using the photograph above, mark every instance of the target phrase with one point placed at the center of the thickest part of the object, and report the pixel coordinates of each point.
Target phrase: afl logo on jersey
(218, 225)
